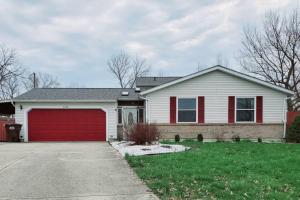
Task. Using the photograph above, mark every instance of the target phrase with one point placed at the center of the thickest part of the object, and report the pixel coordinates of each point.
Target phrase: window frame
(235, 109)
(177, 108)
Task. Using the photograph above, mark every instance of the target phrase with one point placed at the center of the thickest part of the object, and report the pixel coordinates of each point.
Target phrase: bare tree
(160, 73)
(12, 75)
(9, 70)
(273, 54)
(41, 80)
(200, 67)
(75, 85)
(139, 68)
(221, 60)
(127, 69)
(45, 80)
(11, 88)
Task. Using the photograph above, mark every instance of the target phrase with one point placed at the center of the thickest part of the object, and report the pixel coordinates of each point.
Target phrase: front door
(130, 116)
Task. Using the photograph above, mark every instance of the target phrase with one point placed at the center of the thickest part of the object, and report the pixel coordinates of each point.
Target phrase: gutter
(65, 101)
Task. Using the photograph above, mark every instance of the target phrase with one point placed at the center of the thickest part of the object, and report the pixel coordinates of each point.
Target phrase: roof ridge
(84, 88)
(159, 76)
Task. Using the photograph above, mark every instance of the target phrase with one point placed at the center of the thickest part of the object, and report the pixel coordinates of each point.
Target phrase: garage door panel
(67, 125)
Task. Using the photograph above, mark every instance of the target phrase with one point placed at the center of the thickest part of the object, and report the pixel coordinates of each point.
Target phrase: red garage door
(66, 125)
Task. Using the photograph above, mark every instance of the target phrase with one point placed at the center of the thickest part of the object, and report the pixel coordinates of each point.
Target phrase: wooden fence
(291, 115)
(4, 121)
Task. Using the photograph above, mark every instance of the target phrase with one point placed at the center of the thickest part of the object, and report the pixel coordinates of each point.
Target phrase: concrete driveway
(67, 171)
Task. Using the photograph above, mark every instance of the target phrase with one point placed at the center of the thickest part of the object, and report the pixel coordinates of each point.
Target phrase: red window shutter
(200, 110)
(231, 109)
(172, 110)
(259, 109)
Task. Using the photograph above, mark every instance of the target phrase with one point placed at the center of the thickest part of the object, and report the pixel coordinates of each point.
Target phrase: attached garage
(66, 125)
(70, 114)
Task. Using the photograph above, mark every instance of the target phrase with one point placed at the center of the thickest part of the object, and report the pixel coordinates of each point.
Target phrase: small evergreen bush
(177, 138)
(220, 137)
(236, 138)
(259, 140)
(293, 133)
(200, 137)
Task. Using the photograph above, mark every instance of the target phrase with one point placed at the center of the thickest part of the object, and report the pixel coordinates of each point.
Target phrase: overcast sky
(73, 39)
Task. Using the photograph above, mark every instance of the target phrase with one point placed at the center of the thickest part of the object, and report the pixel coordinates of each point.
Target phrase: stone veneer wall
(223, 131)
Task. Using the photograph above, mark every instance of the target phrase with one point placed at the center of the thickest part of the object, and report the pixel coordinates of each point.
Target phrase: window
(187, 110)
(245, 109)
(120, 120)
(141, 115)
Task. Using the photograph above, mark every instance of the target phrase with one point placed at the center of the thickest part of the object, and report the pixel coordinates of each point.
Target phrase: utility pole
(34, 80)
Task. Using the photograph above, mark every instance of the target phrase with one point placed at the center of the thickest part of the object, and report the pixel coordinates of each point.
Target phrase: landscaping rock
(129, 148)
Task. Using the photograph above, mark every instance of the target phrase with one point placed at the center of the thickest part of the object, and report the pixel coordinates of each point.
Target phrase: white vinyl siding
(109, 108)
(216, 86)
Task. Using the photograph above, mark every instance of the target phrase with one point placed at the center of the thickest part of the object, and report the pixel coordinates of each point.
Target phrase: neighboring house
(217, 102)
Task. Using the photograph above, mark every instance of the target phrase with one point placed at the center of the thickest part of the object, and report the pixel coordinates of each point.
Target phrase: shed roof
(7, 107)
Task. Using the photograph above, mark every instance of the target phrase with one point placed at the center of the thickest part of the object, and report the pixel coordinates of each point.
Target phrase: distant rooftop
(154, 81)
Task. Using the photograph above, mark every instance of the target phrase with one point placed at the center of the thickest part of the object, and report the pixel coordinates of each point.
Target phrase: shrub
(177, 138)
(259, 140)
(143, 133)
(200, 137)
(293, 133)
(236, 138)
(220, 137)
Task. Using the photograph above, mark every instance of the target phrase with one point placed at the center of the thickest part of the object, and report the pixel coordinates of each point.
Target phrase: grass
(226, 170)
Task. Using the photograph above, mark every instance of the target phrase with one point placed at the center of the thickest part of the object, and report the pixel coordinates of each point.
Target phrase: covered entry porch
(129, 113)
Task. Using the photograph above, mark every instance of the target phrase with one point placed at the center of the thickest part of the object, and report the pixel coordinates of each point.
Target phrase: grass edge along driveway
(244, 170)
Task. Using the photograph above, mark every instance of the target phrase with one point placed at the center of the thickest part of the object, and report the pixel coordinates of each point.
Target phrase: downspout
(12, 103)
(147, 110)
(284, 116)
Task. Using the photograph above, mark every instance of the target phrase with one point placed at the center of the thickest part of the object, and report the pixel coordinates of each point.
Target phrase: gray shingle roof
(77, 94)
(153, 81)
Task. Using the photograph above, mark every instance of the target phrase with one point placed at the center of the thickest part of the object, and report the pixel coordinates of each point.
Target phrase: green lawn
(242, 170)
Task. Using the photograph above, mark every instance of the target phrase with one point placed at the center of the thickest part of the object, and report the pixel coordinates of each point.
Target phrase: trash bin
(13, 132)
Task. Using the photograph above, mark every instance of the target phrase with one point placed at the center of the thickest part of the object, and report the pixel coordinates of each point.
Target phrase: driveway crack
(11, 164)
